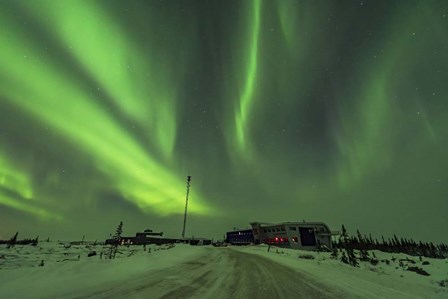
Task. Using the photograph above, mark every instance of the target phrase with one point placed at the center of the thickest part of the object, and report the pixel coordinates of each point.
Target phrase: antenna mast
(186, 205)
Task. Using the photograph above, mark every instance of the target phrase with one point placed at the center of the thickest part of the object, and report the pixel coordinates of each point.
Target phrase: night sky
(280, 110)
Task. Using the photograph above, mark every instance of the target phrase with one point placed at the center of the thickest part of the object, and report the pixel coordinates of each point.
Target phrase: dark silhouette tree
(352, 257)
(334, 253)
(343, 239)
(12, 241)
(364, 255)
(344, 258)
(118, 232)
(35, 241)
(361, 240)
(116, 241)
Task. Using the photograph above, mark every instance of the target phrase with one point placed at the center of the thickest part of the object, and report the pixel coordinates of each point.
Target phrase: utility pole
(186, 205)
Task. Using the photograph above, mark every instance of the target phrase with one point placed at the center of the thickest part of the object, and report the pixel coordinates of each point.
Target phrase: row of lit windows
(242, 241)
(245, 233)
(276, 241)
(240, 237)
(280, 240)
(282, 229)
(274, 229)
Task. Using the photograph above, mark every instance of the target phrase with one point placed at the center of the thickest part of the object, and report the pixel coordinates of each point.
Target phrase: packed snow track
(220, 273)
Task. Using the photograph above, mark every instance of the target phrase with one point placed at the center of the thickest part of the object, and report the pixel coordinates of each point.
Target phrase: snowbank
(63, 275)
(366, 281)
(69, 272)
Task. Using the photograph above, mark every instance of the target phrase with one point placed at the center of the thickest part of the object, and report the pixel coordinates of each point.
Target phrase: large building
(296, 235)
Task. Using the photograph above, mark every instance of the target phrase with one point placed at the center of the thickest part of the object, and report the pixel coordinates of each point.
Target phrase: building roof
(287, 223)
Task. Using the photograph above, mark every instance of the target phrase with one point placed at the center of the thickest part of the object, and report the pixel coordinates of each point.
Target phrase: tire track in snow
(222, 273)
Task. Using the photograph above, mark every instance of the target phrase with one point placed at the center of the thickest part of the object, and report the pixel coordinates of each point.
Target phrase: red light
(276, 240)
(281, 240)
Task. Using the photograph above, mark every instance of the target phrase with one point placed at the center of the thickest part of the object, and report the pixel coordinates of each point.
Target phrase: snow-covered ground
(64, 275)
(207, 272)
(366, 281)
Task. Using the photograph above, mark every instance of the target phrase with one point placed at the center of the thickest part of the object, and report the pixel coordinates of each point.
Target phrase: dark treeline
(394, 245)
(13, 241)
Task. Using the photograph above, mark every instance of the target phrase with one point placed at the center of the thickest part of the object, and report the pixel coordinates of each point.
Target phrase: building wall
(297, 235)
(240, 237)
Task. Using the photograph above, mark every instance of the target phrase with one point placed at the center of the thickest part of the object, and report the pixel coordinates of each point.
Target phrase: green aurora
(280, 110)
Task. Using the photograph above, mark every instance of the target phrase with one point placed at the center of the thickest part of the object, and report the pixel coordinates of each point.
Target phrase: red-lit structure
(296, 235)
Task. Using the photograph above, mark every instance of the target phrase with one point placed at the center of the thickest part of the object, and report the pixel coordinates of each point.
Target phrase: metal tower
(186, 205)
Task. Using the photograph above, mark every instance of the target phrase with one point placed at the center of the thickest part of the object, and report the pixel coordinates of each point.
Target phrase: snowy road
(220, 273)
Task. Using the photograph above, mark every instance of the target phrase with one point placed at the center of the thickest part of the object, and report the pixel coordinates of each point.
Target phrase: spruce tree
(344, 258)
(361, 240)
(334, 253)
(364, 255)
(352, 257)
(116, 241)
(118, 232)
(371, 242)
(344, 237)
(12, 241)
